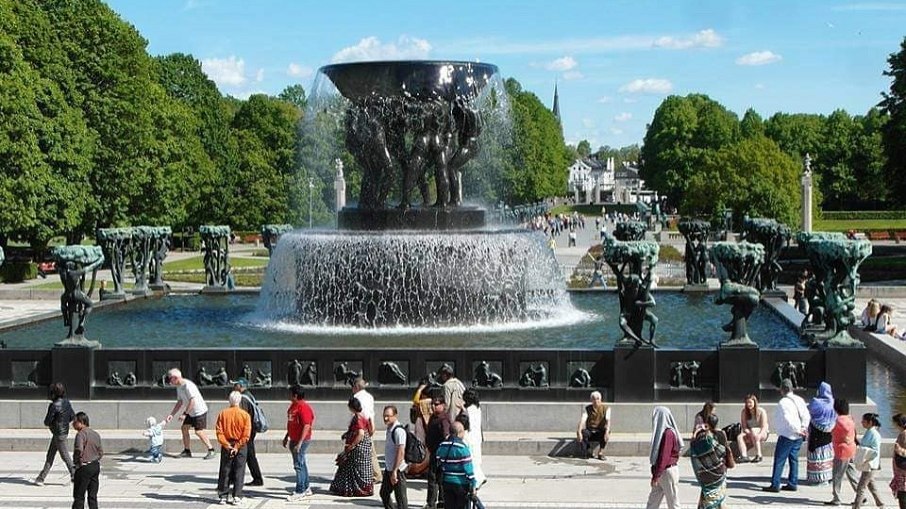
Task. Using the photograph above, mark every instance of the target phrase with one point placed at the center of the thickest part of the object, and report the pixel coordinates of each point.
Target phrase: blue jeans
(786, 450)
(300, 466)
(155, 453)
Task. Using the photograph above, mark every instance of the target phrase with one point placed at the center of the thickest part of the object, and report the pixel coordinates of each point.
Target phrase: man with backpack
(394, 474)
(259, 425)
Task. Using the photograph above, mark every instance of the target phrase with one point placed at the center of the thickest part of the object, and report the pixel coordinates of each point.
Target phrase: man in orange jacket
(234, 427)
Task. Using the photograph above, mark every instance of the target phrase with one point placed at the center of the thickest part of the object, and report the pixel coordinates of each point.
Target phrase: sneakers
(209, 455)
(38, 482)
(296, 497)
(224, 500)
(186, 453)
(236, 501)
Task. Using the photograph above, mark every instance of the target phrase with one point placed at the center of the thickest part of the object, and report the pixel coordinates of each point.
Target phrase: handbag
(864, 457)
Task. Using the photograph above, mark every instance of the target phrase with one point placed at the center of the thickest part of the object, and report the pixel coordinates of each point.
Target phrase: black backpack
(415, 450)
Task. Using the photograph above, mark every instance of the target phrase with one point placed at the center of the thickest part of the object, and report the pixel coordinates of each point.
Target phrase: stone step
(328, 441)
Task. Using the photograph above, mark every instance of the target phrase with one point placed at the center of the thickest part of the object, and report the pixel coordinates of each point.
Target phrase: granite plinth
(416, 218)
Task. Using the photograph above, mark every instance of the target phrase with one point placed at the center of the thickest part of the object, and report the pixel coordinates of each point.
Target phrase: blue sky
(614, 61)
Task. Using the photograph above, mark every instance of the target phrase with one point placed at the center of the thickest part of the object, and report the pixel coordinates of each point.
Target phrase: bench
(878, 235)
(899, 235)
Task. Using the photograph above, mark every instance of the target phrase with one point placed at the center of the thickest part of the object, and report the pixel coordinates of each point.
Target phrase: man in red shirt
(300, 418)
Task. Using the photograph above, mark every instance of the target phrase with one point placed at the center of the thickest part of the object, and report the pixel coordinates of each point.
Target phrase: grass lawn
(251, 279)
(842, 225)
(197, 263)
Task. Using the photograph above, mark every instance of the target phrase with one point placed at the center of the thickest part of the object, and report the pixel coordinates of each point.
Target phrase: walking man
(791, 420)
(458, 472)
(395, 460)
(300, 419)
(437, 432)
(86, 457)
(248, 403)
(59, 415)
(234, 427)
(367, 401)
(194, 415)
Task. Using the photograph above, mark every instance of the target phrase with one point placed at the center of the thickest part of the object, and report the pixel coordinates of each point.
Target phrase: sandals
(757, 459)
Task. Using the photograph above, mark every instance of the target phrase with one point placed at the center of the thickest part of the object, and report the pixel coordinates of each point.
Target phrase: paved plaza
(130, 481)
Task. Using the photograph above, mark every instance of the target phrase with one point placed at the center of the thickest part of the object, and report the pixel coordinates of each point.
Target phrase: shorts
(199, 422)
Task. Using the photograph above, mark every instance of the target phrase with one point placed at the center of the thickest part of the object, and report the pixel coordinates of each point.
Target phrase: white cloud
(299, 71)
(245, 94)
(371, 48)
(707, 38)
(259, 76)
(623, 117)
(616, 130)
(561, 64)
(573, 75)
(648, 86)
(759, 58)
(760, 86)
(588, 123)
(604, 100)
(228, 71)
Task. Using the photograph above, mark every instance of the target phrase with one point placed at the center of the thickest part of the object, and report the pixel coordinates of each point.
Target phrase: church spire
(556, 109)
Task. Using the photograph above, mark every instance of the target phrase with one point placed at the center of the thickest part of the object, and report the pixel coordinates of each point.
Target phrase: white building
(595, 182)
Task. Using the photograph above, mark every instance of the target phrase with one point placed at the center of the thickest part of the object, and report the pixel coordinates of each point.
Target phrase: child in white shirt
(155, 434)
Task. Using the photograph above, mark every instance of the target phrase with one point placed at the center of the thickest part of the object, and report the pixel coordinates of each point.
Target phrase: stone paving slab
(130, 481)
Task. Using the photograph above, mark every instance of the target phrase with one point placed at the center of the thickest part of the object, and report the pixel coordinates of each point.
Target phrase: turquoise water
(686, 322)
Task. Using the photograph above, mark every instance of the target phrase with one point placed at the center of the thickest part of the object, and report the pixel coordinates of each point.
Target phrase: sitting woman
(870, 314)
(883, 323)
(754, 429)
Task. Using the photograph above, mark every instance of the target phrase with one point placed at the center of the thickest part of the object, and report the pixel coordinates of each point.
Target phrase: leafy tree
(684, 133)
(751, 124)
(584, 148)
(295, 95)
(894, 131)
(869, 160)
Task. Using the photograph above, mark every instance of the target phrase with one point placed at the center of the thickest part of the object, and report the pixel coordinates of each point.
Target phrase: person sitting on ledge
(594, 426)
(883, 323)
(753, 429)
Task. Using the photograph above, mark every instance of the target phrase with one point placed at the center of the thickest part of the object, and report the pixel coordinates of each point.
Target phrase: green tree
(869, 160)
(583, 148)
(894, 131)
(751, 124)
(683, 134)
(295, 95)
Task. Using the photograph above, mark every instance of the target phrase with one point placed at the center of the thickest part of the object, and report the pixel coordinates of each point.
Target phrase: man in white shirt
(791, 420)
(394, 478)
(367, 401)
(194, 415)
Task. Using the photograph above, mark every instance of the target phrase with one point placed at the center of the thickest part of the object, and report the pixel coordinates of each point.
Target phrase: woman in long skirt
(355, 477)
(820, 466)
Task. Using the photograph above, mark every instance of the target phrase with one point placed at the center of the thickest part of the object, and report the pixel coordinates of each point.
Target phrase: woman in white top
(883, 325)
(753, 429)
(872, 440)
(474, 436)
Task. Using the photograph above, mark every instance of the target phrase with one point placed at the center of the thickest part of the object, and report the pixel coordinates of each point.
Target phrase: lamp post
(311, 191)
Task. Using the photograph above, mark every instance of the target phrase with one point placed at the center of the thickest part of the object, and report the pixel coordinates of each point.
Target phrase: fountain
(74, 263)
(738, 266)
(410, 124)
(115, 243)
(696, 232)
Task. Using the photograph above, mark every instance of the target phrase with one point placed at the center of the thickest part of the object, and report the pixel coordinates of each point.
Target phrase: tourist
(791, 420)
(458, 472)
(354, 476)
(870, 314)
(823, 418)
(701, 418)
(438, 430)
(367, 401)
(86, 458)
(898, 483)
(300, 419)
(594, 426)
(666, 444)
(59, 415)
(155, 432)
(248, 403)
(573, 236)
(194, 412)
(871, 440)
(453, 390)
(844, 441)
(394, 460)
(711, 457)
(419, 415)
(753, 429)
(234, 428)
(883, 324)
(474, 436)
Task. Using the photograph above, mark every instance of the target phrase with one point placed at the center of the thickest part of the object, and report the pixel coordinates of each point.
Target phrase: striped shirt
(456, 462)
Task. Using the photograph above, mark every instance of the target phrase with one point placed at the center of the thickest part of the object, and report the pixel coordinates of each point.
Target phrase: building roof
(627, 172)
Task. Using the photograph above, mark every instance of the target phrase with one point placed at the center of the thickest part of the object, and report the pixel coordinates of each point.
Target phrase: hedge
(848, 215)
(17, 272)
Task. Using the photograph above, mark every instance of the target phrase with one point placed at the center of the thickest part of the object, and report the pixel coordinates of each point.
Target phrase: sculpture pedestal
(844, 369)
(73, 364)
(160, 288)
(633, 373)
(775, 294)
(738, 371)
(113, 295)
(142, 292)
(416, 218)
(215, 289)
(695, 288)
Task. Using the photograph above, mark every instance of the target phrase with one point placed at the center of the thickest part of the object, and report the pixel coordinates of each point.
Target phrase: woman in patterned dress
(355, 477)
(820, 466)
(898, 483)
